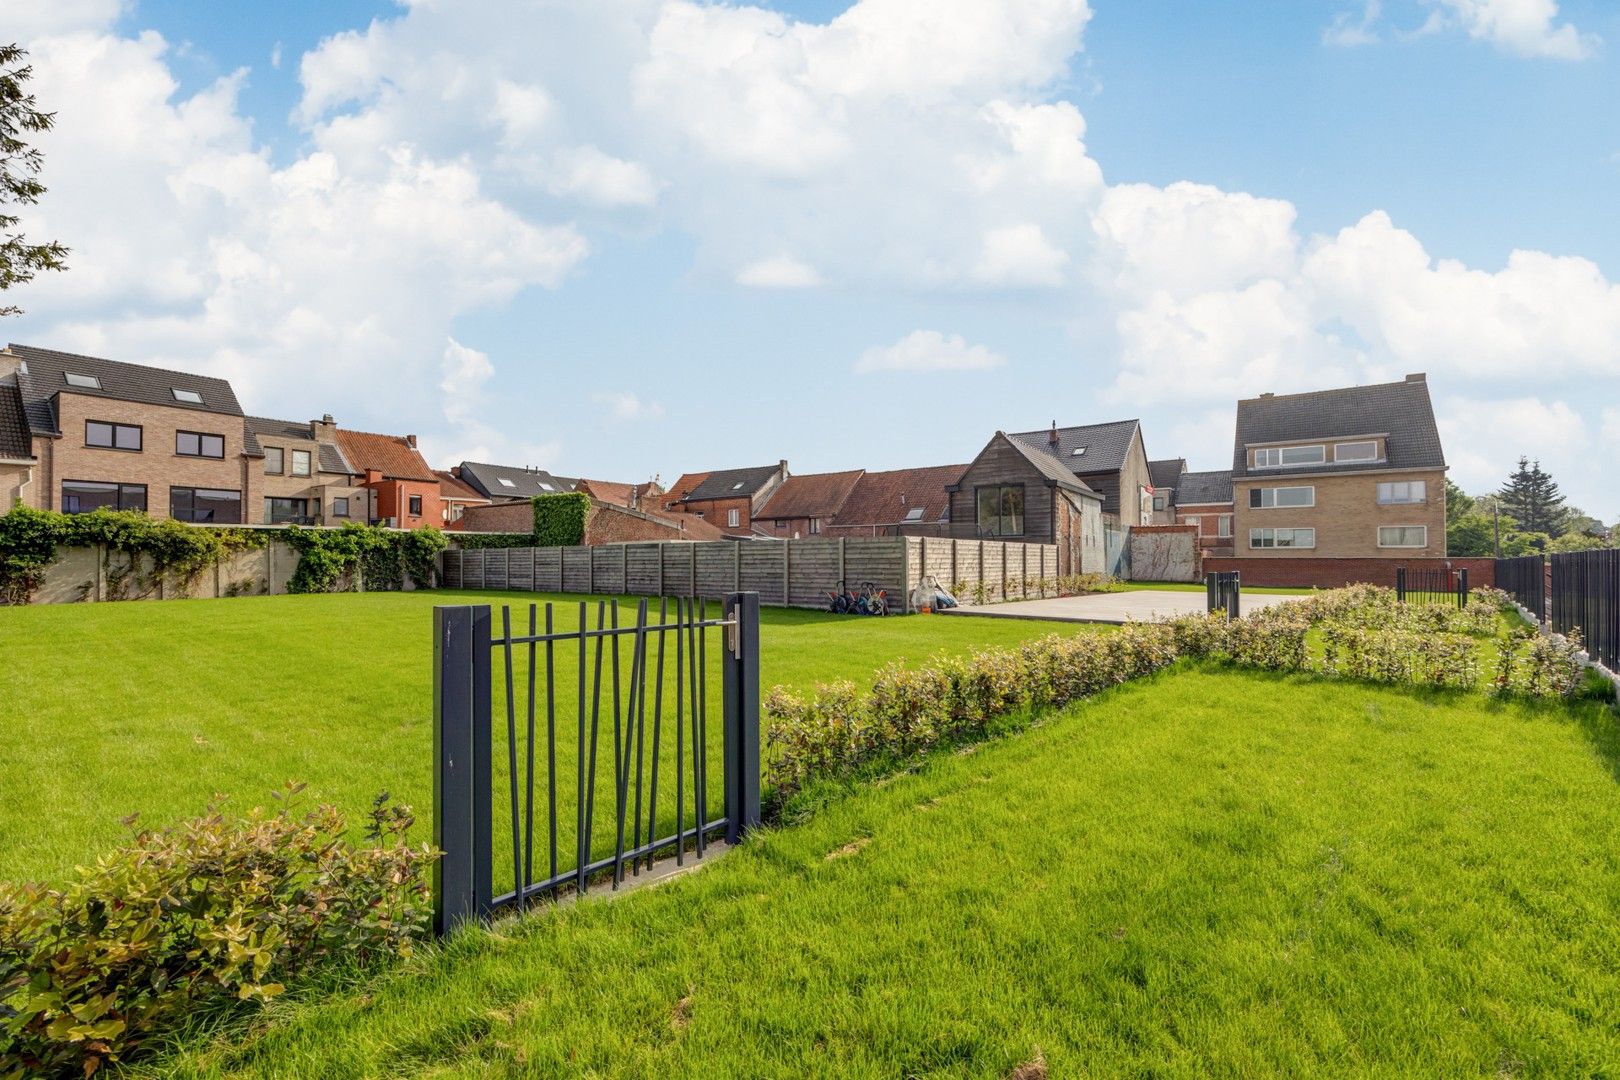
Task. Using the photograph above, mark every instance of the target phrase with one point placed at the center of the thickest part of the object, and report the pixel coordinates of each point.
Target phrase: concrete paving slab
(1140, 605)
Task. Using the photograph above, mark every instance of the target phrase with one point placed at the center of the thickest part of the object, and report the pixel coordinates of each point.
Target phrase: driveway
(1144, 605)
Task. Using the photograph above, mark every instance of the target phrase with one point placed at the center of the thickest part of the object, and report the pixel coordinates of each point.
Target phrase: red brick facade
(1334, 573)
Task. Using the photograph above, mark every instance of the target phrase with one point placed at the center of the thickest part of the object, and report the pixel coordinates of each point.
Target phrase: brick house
(1016, 491)
(502, 483)
(606, 523)
(81, 432)
(1109, 459)
(1352, 473)
(1204, 501)
(304, 477)
(803, 506)
(899, 502)
(1164, 476)
(644, 496)
(456, 496)
(402, 490)
(727, 498)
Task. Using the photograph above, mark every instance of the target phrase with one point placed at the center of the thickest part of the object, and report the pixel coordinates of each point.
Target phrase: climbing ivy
(384, 558)
(559, 520)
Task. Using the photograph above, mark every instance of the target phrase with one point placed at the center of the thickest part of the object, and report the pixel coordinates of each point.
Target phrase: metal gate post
(461, 765)
(740, 677)
(1234, 597)
(1400, 584)
(1462, 587)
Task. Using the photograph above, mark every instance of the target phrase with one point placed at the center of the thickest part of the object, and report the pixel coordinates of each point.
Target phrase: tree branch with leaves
(20, 165)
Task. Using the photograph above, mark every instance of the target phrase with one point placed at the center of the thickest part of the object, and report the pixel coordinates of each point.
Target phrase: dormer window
(87, 382)
(1277, 456)
(190, 397)
(1356, 451)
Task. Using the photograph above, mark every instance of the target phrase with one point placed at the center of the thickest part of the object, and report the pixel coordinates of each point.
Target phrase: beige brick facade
(330, 498)
(156, 465)
(1346, 515)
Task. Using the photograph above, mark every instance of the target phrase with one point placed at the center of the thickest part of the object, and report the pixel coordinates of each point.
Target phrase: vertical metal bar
(741, 682)
(483, 766)
(657, 731)
(551, 737)
(700, 729)
(528, 769)
(680, 728)
(1400, 584)
(640, 712)
(518, 880)
(596, 712)
(622, 739)
(456, 656)
(582, 832)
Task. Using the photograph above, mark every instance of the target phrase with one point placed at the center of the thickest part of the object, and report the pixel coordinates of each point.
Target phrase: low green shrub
(212, 911)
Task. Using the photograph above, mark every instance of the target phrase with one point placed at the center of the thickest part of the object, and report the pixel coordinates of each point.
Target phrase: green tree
(1578, 541)
(1531, 497)
(20, 164)
(1458, 501)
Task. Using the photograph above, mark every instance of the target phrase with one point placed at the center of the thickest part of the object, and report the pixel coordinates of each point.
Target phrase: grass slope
(154, 707)
(1204, 874)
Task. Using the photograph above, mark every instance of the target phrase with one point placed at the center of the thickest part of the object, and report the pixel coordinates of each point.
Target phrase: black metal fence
(1586, 594)
(1431, 586)
(1224, 592)
(558, 689)
(1525, 579)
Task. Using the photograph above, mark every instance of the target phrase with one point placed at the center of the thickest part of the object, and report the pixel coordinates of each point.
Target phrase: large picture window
(279, 511)
(1356, 451)
(1403, 491)
(205, 505)
(1001, 510)
(83, 496)
(199, 444)
(1273, 457)
(1403, 536)
(109, 436)
(1280, 497)
(1282, 538)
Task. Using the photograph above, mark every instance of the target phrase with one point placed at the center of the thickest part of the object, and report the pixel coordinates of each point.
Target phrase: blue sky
(654, 236)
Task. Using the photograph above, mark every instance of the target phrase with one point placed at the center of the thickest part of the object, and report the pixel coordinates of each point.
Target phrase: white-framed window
(274, 460)
(1223, 527)
(1158, 501)
(1394, 492)
(1275, 457)
(1403, 536)
(300, 463)
(815, 526)
(1356, 451)
(733, 518)
(1195, 521)
(1280, 497)
(1282, 538)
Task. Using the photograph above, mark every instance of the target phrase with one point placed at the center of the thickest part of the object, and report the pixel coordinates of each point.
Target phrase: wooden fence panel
(814, 574)
(679, 562)
(763, 571)
(576, 570)
(548, 569)
(717, 567)
(643, 569)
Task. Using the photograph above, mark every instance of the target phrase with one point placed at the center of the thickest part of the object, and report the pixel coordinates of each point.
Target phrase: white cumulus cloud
(779, 272)
(1522, 27)
(928, 350)
(624, 406)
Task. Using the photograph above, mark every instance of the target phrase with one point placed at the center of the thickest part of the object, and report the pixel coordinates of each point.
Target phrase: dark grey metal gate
(467, 746)
(1431, 586)
(1586, 596)
(1225, 592)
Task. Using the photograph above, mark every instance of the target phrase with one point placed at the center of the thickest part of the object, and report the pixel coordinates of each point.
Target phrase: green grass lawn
(154, 707)
(1207, 873)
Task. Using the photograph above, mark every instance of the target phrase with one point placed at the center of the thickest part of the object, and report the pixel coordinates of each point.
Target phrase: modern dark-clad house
(103, 433)
(1165, 477)
(804, 505)
(1204, 501)
(728, 498)
(502, 483)
(1351, 473)
(899, 502)
(1016, 491)
(1110, 459)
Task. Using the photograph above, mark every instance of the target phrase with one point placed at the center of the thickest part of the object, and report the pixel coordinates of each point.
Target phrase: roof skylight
(914, 514)
(1077, 451)
(737, 486)
(89, 382)
(507, 483)
(189, 396)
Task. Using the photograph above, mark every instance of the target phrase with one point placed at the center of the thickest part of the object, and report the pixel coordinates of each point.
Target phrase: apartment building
(1352, 473)
(86, 432)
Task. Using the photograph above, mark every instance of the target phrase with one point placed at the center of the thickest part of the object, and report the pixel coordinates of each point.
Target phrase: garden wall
(1164, 553)
(1336, 573)
(94, 573)
(786, 573)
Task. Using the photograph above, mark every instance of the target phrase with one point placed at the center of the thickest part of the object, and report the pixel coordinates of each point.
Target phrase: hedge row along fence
(1360, 632)
(50, 557)
(785, 573)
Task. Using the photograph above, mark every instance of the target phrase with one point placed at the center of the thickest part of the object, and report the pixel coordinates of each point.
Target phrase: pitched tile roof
(328, 458)
(891, 497)
(1167, 472)
(519, 482)
(456, 491)
(390, 455)
(812, 495)
(1104, 446)
(683, 487)
(1402, 410)
(733, 483)
(1049, 466)
(15, 441)
(46, 370)
(1202, 488)
(616, 494)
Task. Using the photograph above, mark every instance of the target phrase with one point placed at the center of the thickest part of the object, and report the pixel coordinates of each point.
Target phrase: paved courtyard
(1139, 606)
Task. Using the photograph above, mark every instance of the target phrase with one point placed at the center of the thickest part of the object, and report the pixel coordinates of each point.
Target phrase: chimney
(1052, 439)
(1268, 394)
(324, 429)
(410, 441)
(782, 465)
(10, 362)
(1417, 377)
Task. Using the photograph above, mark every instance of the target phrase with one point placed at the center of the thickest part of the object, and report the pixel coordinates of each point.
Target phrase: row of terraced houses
(1322, 485)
